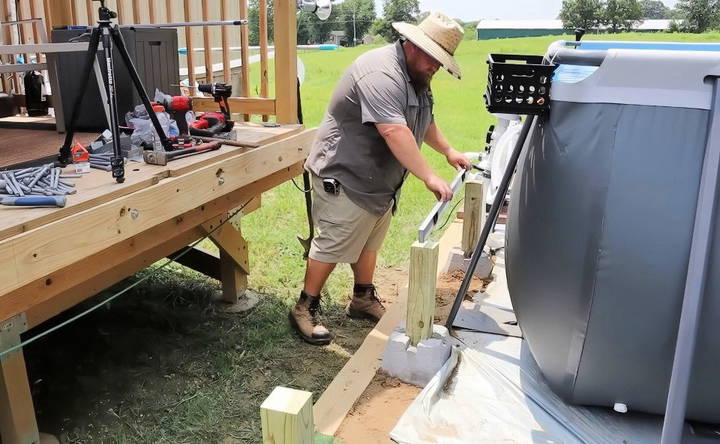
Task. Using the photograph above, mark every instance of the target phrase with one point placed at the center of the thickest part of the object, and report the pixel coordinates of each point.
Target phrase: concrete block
(416, 365)
(458, 261)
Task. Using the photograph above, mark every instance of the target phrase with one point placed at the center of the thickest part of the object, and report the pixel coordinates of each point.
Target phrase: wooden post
(286, 61)
(121, 16)
(287, 417)
(89, 8)
(245, 54)
(5, 40)
(421, 290)
(169, 10)
(225, 47)
(189, 45)
(35, 27)
(59, 13)
(17, 414)
(136, 11)
(263, 32)
(209, 75)
(234, 264)
(153, 18)
(73, 12)
(473, 216)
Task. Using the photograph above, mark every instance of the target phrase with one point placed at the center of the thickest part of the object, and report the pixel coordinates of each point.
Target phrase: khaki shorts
(342, 229)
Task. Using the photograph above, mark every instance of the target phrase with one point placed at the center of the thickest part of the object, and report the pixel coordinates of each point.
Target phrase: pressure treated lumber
(17, 417)
(473, 215)
(421, 290)
(263, 31)
(97, 187)
(31, 255)
(285, 61)
(287, 417)
(234, 265)
(63, 289)
(352, 380)
(238, 105)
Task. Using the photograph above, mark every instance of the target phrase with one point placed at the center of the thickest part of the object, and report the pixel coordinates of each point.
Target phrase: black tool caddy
(518, 84)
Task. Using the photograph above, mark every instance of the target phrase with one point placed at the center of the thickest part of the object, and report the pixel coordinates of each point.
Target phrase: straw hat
(438, 35)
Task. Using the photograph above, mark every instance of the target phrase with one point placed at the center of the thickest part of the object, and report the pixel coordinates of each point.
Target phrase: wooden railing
(209, 67)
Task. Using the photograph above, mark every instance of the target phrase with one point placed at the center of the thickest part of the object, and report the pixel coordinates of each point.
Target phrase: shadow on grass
(162, 364)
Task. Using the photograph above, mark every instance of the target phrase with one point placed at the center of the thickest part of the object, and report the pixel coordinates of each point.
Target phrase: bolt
(134, 213)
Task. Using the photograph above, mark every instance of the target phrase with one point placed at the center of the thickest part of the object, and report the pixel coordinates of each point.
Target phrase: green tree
(654, 9)
(355, 18)
(700, 15)
(254, 22)
(587, 14)
(395, 11)
(312, 30)
(622, 15)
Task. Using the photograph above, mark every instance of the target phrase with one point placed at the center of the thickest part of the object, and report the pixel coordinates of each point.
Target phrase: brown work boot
(305, 320)
(365, 303)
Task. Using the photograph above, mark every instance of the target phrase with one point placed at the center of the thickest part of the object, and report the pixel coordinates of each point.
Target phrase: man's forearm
(437, 141)
(402, 144)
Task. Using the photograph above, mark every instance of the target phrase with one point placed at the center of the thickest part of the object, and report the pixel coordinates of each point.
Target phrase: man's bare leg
(364, 268)
(365, 303)
(316, 274)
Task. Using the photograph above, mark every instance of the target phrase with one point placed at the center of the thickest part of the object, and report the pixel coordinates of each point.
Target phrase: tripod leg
(120, 45)
(116, 161)
(64, 155)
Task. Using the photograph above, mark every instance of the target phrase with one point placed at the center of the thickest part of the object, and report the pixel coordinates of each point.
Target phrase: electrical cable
(300, 188)
(121, 292)
(450, 213)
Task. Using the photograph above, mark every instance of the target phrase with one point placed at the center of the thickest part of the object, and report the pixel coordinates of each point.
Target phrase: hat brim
(428, 45)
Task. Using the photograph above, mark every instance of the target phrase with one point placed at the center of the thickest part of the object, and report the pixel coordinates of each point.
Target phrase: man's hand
(439, 187)
(457, 159)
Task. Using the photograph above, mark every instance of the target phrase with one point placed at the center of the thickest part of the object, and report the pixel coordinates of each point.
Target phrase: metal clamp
(10, 331)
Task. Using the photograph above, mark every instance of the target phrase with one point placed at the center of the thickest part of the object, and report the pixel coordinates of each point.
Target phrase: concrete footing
(416, 365)
(458, 261)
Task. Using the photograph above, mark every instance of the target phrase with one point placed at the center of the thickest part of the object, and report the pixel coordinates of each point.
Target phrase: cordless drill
(210, 124)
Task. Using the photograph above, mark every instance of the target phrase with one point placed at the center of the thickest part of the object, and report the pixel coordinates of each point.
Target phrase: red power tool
(210, 124)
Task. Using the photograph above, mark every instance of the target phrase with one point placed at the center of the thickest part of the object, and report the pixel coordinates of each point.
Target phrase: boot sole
(308, 339)
(360, 315)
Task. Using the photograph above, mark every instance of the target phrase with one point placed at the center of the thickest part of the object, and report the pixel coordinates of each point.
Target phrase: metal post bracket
(10, 331)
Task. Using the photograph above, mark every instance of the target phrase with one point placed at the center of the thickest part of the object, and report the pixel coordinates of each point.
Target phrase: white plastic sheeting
(491, 391)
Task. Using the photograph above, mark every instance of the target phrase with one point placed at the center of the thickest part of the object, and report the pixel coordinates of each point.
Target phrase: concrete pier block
(416, 365)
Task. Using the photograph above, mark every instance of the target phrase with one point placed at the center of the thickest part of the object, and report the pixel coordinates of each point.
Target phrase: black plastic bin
(518, 84)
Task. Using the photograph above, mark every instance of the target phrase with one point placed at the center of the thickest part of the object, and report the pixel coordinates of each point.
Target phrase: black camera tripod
(109, 35)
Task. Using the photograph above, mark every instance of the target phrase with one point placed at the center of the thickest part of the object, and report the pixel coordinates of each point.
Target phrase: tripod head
(104, 13)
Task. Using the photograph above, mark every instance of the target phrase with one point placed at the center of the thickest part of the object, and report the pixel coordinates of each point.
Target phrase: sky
(469, 10)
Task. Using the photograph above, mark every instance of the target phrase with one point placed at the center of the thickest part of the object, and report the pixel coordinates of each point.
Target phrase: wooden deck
(110, 231)
(26, 145)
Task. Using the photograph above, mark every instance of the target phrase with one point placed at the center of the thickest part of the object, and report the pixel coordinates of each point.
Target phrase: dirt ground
(386, 398)
(163, 365)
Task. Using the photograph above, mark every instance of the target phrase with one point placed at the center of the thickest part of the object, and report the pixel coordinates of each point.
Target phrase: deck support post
(17, 416)
(421, 290)
(287, 417)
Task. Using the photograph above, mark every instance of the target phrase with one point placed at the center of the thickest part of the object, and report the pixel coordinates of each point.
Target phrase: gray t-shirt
(376, 88)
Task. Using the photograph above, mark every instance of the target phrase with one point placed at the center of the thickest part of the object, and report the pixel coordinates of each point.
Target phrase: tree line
(624, 15)
(356, 18)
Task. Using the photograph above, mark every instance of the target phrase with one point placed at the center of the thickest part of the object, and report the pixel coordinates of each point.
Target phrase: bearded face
(420, 66)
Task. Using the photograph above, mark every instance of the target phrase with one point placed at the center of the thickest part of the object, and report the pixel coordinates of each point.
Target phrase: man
(378, 117)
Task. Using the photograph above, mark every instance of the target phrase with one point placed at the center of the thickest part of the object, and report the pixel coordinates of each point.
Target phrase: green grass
(161, 365)
(460, 113)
